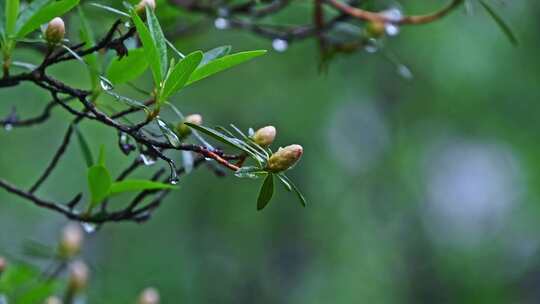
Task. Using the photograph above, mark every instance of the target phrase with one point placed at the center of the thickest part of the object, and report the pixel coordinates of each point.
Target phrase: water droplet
(280, 45)
(404, 71)
(147, 159)
(8, 127)
(127, 24)
(173, 179)
(372, 46)
(105, 83)
(221, 23)
(391, 29)
(89, 227)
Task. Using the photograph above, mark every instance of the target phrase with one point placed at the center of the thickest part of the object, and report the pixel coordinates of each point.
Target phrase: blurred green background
(419, 191)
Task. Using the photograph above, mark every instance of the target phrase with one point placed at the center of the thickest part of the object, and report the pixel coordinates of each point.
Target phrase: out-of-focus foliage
(421, 190)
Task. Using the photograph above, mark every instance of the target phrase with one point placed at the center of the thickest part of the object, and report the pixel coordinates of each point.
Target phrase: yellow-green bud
(78, 276)
(183, 130)
(3, 264)
(55, 31)
(265, 136)
(141, 7)
(375, 29)
(149, 296)
(52, 300)
(284, 158)
(71, 240)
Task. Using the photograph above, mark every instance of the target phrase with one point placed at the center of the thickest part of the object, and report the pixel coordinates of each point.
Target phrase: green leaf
(46, 14)
(101, 155)
(215, 53)
(158, 37)
(85, 148)
(2, 24)
(250, 172)
(223, 63)
(127, 68)
(29, 11)
(99, 184)
(150, 48)
(134, 185)
(12, 11)
(301, 197)
(110, 9)
(505, 28)
(168, 132)
(180, 74)
(285, 182)
(87, 35)
(267, 190)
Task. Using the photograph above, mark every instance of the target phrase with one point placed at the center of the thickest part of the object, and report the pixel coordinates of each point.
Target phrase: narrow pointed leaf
(158, 37)
(301, 197)
(223, 63)
(150, 49)
(12, 11)
(30, 11)
(99, 183)
(46, 14)
(285, 182)
(127, 68)
(110, 9)
(215, 53)
(266, 192)
(134, 185)
(505, 28)
(180, 74)
(168, 132)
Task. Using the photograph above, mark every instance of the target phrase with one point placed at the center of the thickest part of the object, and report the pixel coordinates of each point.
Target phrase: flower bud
(284, 158)
(3, 264)
(52, 300)
(141, 7)
(375, 29)
(183, 130)
(149, 296)
(265, 136)
(78, 277)
(55, 31)
(71, 240)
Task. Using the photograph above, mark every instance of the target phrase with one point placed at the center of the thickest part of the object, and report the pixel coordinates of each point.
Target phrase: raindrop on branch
(372, 46)
(89, 227)
(391, 29)
(280, 45)
(8, 127)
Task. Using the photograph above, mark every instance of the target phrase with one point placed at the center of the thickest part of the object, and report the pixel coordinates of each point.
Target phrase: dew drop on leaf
(105, 84)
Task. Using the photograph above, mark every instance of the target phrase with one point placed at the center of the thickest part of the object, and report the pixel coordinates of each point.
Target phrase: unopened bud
(78, 276)
(141, 7)
(265, 136)
(149, 296)
(52, 300)
(375, 29)
(55, 31)
(71, 241)
(284, 158)
(183, 130)
(3, 264)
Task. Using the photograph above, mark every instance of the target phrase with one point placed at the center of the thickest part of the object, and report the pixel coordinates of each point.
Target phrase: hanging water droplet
(404, 71)
(105, 83)
(89, 227)
(391, 29)
(127, 24)
(280, 45)
(173, 179)
(372, 46)
(221, 23)
(147, 159)
(8, 127)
